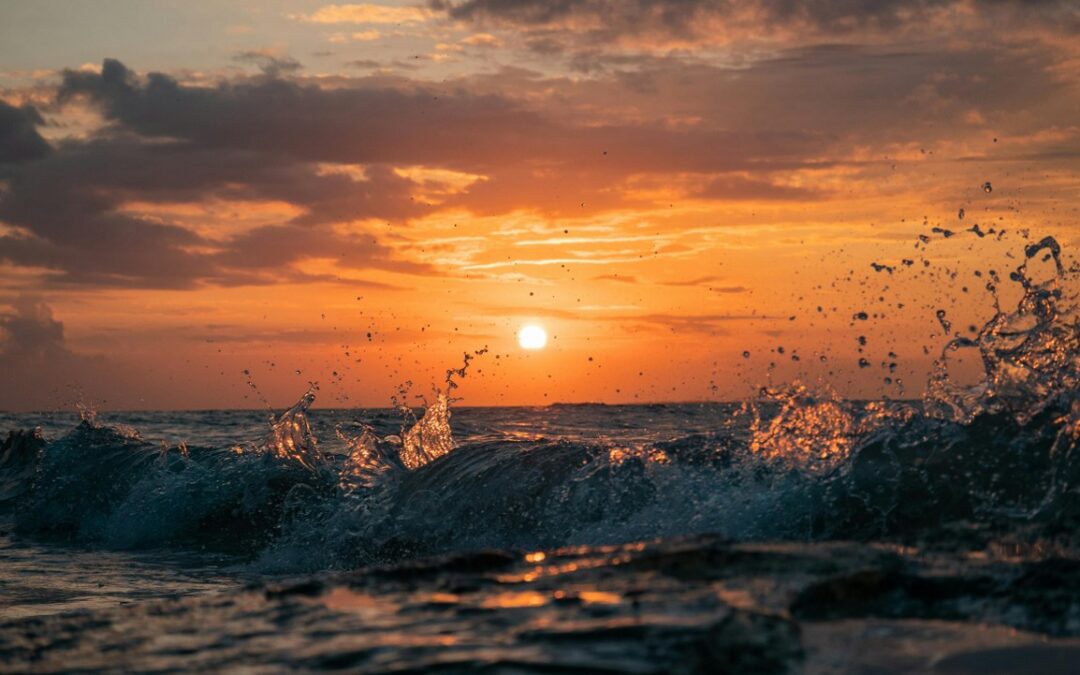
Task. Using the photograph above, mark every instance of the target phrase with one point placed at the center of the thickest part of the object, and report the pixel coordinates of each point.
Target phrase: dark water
(795, 532)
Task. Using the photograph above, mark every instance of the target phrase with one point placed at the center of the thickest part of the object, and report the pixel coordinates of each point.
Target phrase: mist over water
(983, 464)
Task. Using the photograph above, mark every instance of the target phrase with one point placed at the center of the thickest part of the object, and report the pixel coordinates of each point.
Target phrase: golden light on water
(532, 337)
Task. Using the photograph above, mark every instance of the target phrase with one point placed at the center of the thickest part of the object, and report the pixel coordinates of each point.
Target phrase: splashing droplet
(945, 324)
(430, 438)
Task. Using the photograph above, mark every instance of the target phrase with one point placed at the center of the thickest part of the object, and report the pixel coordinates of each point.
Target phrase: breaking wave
(799, 462)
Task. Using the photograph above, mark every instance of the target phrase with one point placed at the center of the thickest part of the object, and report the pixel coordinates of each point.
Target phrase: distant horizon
(454, 407)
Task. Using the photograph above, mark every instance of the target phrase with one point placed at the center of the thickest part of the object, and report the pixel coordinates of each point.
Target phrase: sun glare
(532, 337)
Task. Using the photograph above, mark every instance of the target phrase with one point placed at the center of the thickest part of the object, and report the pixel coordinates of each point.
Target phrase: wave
(799, 462)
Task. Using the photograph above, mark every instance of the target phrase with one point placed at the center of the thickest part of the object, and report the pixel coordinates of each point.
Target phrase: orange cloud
(364, 13)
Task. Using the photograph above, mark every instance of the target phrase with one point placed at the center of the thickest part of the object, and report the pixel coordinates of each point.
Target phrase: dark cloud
(688, 20)
(365, 64)
(857, 102)
(735, 187)
(265, 133)
(272, 65)
(29, 332)
(410, 125)
(582, 147)
(67, 207)
(19, 137)
(42, 372)
(34, 354)
(351, 125)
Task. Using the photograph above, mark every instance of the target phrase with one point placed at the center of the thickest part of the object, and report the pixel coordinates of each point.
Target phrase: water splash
(291, 436)
(367, 461)
(87, 413)
(431, 437)
(1029, 356)
(814, 432)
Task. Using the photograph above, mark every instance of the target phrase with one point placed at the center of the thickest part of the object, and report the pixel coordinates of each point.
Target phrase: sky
(214, 204)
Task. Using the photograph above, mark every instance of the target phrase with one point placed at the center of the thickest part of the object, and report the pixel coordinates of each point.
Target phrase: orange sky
(359, 194)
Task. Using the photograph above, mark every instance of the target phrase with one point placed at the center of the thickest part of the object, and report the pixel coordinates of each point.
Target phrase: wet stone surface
(695, 605)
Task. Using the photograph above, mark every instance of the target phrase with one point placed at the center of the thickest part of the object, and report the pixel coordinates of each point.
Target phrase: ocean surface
(795, 532)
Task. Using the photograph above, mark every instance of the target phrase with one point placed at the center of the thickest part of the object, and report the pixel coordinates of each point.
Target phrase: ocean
(794, 532)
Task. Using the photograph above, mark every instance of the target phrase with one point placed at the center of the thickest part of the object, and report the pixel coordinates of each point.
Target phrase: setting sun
(809, 273)
(532, 337)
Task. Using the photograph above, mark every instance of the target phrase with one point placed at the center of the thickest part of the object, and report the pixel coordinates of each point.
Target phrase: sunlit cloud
(482, 40)
(365, 13)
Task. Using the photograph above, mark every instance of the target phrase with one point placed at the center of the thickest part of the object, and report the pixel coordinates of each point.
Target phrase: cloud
(19, 137)
(729, 289)
(737, 188)
(667, 321)
(29, 332)
(792, 125)
(696, 281)
(411, 125)
(69, 211)
(482, 40)
(368, 121)
(34, 354)
(621, 278)
(271, 64)
(709, 324)
(366, 36)
(364, 13)
(663, 24)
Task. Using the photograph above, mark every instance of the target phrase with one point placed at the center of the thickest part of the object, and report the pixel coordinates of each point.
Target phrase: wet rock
(1049, 593)
(751, 642)
(1043, 659)
(309, 588)
(709, 558)
(478, 562)
(888, 593)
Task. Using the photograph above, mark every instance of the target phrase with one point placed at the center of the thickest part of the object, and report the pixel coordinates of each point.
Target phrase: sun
(532, 336)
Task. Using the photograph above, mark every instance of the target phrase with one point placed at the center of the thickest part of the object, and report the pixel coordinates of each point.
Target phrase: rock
(752, 642)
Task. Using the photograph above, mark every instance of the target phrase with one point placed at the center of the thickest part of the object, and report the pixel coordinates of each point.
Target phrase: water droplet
(943, 321)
